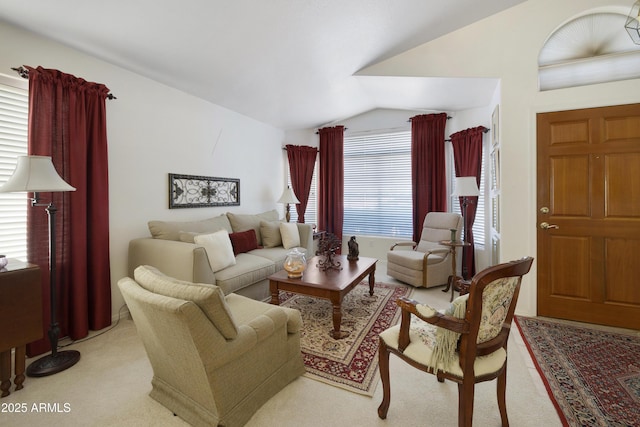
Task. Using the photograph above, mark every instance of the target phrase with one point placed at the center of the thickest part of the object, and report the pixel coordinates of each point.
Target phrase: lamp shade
(288, 196)
(35, 174)
(465, 186)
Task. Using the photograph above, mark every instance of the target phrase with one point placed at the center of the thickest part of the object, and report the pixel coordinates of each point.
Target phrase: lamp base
(52, 364)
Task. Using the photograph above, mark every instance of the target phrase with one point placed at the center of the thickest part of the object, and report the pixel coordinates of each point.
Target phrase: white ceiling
(289, 63)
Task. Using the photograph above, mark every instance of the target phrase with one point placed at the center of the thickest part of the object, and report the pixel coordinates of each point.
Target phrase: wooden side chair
(466, 344)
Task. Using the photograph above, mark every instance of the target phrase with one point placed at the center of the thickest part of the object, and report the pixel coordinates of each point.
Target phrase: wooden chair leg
(502, 389)
(465, 403)
(383, 364)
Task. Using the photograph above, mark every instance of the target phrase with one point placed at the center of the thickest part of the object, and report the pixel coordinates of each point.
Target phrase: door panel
(589, 179)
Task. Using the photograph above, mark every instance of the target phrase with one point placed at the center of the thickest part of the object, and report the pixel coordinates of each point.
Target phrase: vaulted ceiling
(293, 64)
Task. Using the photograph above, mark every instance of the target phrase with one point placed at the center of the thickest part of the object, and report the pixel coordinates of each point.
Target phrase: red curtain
(467, 156)
(331, 174)
(67, 121)
(428, 169)
(302, 159)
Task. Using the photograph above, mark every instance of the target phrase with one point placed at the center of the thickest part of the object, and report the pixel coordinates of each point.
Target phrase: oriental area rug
(592, 376)
(350, 363)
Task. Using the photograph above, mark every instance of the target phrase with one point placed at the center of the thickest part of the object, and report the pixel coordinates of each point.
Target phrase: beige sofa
(216, 359)
(181, 250)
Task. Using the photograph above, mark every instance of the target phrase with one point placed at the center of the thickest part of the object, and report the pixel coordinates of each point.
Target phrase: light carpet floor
(111, 383)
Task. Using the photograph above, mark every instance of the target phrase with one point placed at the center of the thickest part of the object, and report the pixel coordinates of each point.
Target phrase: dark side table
(454, 278)
(20, 318)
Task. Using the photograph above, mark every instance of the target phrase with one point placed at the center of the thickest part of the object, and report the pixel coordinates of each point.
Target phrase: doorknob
(546, 225)
(544, 210)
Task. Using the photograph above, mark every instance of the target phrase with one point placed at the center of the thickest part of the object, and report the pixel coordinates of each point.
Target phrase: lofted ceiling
(289, 63)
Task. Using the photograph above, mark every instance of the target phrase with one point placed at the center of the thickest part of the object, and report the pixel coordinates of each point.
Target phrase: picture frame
(196, 191)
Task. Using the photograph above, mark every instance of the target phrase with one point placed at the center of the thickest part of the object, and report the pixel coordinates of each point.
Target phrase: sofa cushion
(243, 222)
(270, 231)
(209, 298)
(170, 230)
(243, 241)
(247, 270)
(219, 249)
(290, 235)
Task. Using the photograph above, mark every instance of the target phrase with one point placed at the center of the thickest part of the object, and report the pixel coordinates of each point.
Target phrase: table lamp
(37, 174)
(288, 197)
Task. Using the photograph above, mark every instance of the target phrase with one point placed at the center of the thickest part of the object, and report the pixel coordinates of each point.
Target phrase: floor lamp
(37, 174)
(288, 197)
(465, 187)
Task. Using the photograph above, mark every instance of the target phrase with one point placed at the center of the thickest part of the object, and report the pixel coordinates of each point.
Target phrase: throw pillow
(271, 236)
(290, 235)
(219, 249)
(243, 241)
(209, 298)
(243, 222)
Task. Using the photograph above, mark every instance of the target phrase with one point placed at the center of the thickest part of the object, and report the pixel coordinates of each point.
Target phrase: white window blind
(14, 112)
(311, 213)
(479, 227)
(377, 185)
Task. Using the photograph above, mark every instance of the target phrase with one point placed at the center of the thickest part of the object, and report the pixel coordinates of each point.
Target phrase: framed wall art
(194, 191)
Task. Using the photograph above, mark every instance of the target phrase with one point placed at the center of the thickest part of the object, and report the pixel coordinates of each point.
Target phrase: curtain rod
(448, 117)
(318, 132)
(24, 73)
(484, 131)
(285, 149)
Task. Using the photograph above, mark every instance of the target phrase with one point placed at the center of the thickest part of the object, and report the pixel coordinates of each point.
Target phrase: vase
(295, 263)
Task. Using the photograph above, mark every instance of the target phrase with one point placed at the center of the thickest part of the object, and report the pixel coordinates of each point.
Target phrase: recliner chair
(429, 263)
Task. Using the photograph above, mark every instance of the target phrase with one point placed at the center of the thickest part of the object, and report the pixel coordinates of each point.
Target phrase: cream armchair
(429, 263)
(216, 360)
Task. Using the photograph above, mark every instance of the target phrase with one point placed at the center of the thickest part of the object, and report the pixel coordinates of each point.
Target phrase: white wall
(506, 46)
(154, 130)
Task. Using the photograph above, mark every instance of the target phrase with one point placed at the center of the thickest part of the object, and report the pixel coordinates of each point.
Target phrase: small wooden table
(331, 284)
(20, 318)
(454, 278)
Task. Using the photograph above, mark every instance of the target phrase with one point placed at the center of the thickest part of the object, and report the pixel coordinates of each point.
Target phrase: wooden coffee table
(331, 284)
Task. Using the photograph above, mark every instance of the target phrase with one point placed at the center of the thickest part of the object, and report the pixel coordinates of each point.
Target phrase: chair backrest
(491, 305)
(437, 226)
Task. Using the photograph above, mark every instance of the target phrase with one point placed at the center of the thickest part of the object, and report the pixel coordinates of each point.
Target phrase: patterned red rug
(350, 363)
(593, 377)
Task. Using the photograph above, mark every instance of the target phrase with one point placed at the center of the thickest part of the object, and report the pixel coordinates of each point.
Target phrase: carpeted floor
(352, 362)
(593, 376)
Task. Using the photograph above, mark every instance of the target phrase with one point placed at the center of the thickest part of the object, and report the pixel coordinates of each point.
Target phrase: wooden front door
(589, 215)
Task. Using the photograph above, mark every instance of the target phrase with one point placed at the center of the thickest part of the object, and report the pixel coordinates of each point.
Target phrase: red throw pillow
(243, 241)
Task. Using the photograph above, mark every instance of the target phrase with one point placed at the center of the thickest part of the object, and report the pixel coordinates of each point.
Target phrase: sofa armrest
(180, 260)
(306, 237)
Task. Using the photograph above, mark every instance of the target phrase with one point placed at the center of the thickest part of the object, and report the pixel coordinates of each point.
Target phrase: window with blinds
(377, 185)
(14, 112)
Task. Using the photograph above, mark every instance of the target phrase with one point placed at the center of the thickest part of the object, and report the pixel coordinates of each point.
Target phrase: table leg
(336, 333)
(372, 280)
(5, 372)
(275, 293)
(20, 360)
